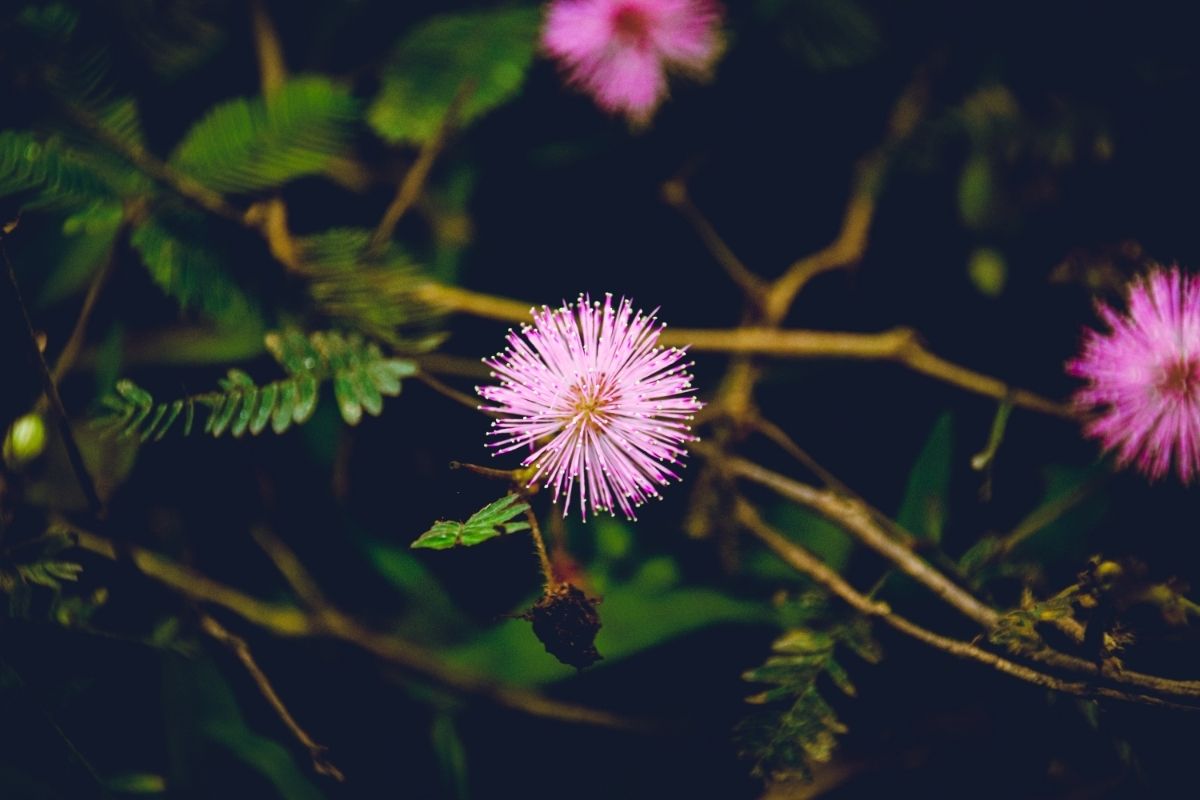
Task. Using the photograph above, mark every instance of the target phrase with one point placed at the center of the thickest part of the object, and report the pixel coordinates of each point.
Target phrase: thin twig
(780, 437)
(238, 646)
(462, 398)
(413, 182)
(289, 621)
(272, 69)
(851, 243)
(11, 676)
(807, 563)
(181, 185)
(1043, 515)
(70, 351)
(289, 566)
(845, 251)
(513, 476)
(855, 520)
(539, 545)
(858, 521)
(676, 195)
(82, 476)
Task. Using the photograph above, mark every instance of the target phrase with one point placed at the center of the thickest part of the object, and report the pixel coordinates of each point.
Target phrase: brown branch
(462, 398)
(676, 195)
(539, 545)
(289, 621)
(272, 69)
(181, 185)
(458, 366)
(848, 248)
(845, 251)
(289, 566)
(807, 563)
(413, 182)
(70, 351)
(238, 646)
(898, 345)
(38, 360)
(857, 520)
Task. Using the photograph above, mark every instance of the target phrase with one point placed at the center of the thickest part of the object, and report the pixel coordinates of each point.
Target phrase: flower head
(620, 51)
(1143, 377)
(603, 408)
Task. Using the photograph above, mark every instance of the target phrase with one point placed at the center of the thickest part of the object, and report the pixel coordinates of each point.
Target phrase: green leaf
(137, 783)
(347, 398)
(828, 34)
(90, 236)
(50, 172)
(815, 533)
(978, 199)
(373, 291)
(637, 617)
(360, 374)
(802, 727)
(248, 144)
(451, 754)
(176, 250)
(488, 52)
(196, 691)
(927, 495)
(494, 519)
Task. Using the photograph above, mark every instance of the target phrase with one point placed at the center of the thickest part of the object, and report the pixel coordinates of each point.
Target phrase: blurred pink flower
(620, 51)
(599, 403)
(1143, 378)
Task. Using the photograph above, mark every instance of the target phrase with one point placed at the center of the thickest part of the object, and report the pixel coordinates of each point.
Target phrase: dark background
(1101, 154)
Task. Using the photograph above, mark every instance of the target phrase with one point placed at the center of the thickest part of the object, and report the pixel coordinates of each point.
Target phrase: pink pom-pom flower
(620, 51)
(1143, 377)
(603, 408)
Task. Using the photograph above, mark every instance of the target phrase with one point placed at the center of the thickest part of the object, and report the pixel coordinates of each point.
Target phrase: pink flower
(620, 51)
(599, 403)
(1144, 376)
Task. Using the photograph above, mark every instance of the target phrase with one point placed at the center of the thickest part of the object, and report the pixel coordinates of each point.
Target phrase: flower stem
(539, 545)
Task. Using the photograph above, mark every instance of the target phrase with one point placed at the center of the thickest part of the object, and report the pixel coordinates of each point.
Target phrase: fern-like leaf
(53, 174)
(800, 727)
(177, 251)
(361, 375)
(432, 64)
(371, 291)
(248, 144)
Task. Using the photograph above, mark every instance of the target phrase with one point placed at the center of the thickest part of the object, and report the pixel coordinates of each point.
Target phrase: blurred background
(1052, 159)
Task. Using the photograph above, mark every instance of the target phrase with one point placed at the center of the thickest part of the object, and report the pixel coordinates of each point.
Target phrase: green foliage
(486, 53)
(494, 519)
(175, 247)
(176, 36)
(36, 564)
(52, 174)
(647, 610)
(137, 783)
(926, 497)
(360, 374)
(369, 289)
(828, 34)
(804, 727)
(248, 144)
(451, 754)
(1017, 629)
(195, 691)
